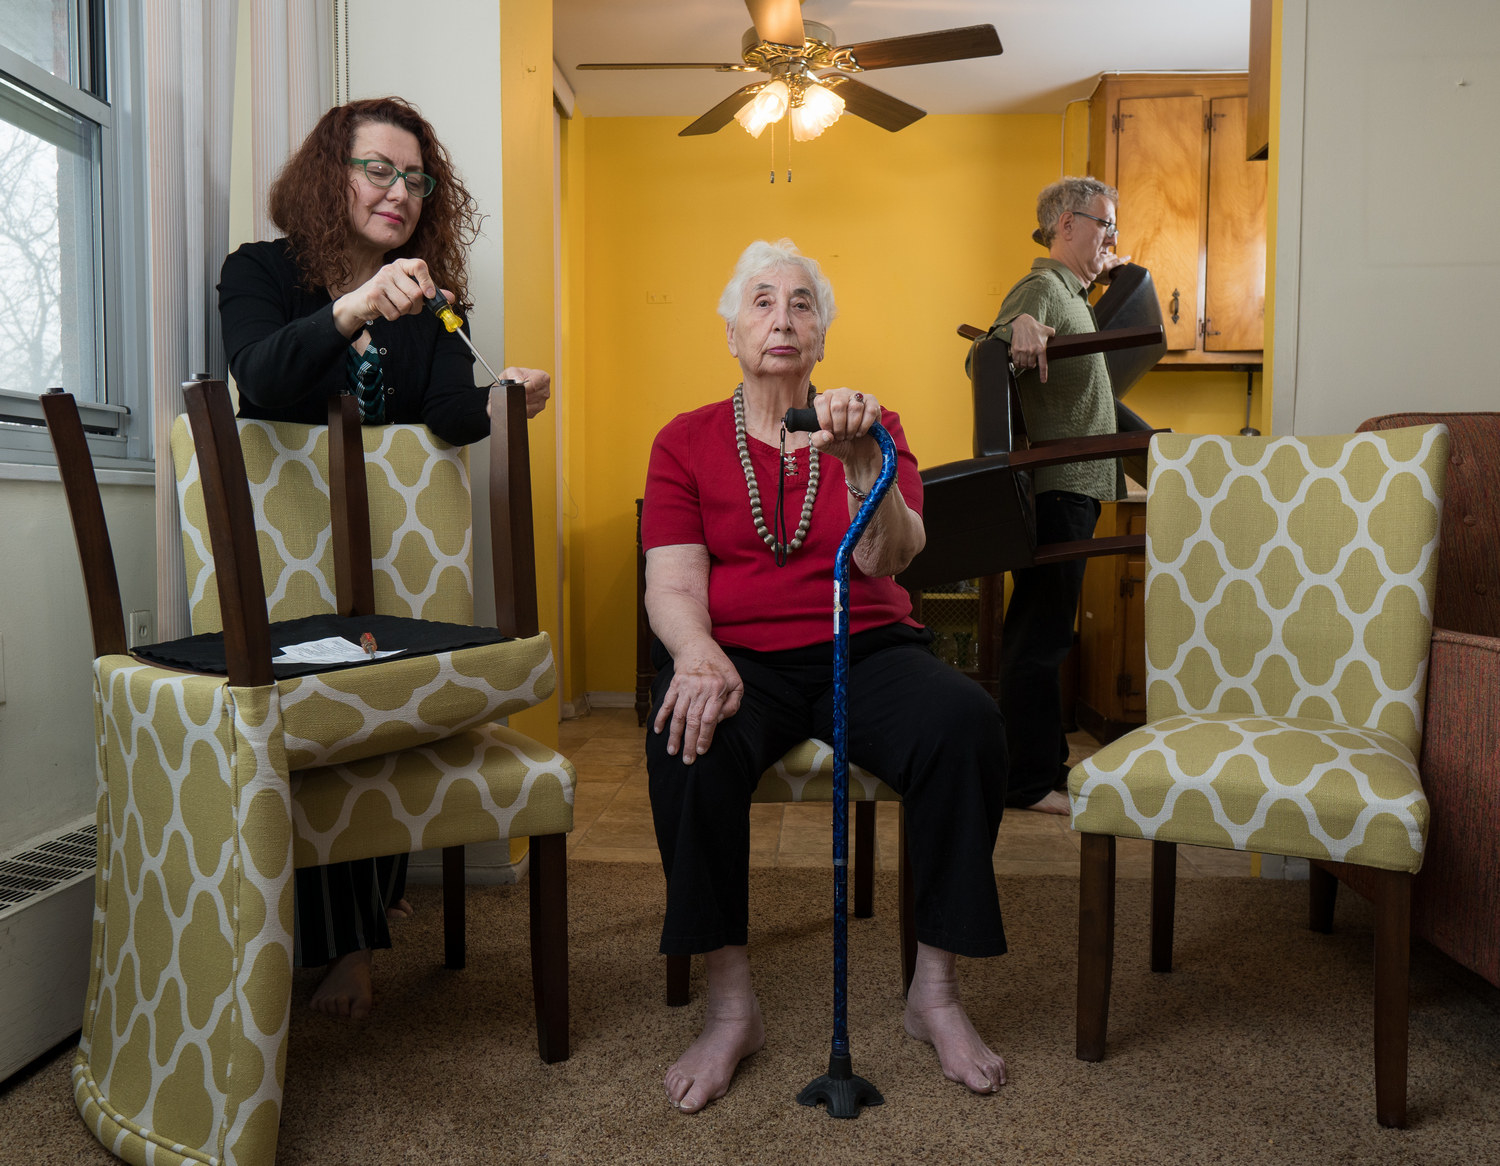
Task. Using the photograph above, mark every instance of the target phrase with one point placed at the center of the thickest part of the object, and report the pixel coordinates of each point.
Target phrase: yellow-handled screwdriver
(437, 304)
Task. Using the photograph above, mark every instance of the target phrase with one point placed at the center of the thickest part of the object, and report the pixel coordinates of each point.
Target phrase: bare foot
(935, 1015)
(732, 1030)
(345, 990)
(1054, 803)
(401, 910)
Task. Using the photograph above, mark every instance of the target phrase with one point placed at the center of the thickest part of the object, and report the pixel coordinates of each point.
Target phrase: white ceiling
(1054, 49)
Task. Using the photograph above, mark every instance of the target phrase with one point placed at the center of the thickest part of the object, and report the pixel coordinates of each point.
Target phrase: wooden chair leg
(454, 948)
(1323, 890)
(1096, 942)
(679, 969)
(1163, 903)
(1392, 994)
(549, 944)
(864, 859)
(908, 911)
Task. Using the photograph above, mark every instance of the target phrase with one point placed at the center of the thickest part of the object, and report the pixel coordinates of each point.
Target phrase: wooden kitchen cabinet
(1112, 638)
(1192, 210)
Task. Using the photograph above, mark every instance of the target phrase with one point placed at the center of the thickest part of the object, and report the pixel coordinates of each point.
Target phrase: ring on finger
(859, 396)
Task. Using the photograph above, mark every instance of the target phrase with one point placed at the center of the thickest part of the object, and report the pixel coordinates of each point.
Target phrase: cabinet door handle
(1176, 304)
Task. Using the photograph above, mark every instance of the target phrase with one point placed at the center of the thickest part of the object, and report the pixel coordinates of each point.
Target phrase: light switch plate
(141, 629)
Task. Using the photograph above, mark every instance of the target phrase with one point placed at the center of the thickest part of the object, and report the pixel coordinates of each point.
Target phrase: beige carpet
(1255, 1050)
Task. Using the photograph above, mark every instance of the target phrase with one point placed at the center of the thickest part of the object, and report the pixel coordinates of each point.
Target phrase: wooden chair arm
(349, 509)
(95, 555)
(1083, 343)
(1089, 548)
(512, 542)
(1082, 449)
(231, 532)
(1109, 340)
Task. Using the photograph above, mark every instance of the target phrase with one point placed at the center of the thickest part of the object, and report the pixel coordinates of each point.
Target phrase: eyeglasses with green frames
(383, 174)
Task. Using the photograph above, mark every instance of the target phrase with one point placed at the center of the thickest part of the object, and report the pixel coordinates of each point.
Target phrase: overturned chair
(216, 783)
(979, 513)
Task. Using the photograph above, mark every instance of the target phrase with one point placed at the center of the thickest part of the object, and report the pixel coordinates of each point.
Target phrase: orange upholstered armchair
(1454, 896)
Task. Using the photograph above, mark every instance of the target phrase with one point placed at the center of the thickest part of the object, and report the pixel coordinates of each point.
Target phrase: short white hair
(763, 256)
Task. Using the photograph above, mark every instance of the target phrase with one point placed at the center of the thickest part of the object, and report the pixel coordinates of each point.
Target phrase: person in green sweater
(1076, 223)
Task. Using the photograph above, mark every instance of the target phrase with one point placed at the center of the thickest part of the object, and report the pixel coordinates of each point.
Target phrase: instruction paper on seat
(329, 650)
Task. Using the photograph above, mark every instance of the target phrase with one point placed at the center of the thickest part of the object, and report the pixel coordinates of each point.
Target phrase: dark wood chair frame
(231, 523)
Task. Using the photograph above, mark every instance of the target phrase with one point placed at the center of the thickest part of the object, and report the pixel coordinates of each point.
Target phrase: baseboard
(611, 700)
(485, 864)
(1277, 866)
(571, 710)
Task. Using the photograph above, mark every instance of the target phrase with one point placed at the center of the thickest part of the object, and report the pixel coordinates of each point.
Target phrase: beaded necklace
(780, 547)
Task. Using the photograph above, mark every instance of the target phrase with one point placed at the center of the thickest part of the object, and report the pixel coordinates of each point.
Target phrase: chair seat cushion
(479, 785)
(338, 717)
(1349, 795)
(805, 774)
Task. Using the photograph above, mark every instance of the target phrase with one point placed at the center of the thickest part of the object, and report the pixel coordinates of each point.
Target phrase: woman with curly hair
(375, 219)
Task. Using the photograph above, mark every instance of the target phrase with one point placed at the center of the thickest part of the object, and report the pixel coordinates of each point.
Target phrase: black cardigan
(287, 356)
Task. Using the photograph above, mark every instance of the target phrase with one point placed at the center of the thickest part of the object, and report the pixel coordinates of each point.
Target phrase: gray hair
(763, 256)
(1067, 194)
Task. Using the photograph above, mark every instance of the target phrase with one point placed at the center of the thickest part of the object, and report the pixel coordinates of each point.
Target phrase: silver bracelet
(859, 494)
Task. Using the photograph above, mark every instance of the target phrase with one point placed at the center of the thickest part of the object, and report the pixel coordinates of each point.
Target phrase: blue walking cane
(839, 1088)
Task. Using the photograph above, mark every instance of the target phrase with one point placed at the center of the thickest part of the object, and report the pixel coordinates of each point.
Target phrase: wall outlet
(140, 629)
(660, 297)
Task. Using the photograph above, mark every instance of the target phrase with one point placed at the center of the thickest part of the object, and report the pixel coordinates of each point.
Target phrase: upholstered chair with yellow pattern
(1289, 599)
(214, 786)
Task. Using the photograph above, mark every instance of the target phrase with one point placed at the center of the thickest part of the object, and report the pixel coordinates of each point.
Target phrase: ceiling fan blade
(889, 113)
(949, 44)
(722, 114)
(720, 66)
(778, 21)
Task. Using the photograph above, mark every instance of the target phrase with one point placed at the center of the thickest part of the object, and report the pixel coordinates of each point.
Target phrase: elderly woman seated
(744, 613)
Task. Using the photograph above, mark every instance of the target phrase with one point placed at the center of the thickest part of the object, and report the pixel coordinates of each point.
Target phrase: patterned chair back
(1316, 600)
(421, 532)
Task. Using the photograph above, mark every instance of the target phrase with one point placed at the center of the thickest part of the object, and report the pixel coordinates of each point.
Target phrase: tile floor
(612, 817)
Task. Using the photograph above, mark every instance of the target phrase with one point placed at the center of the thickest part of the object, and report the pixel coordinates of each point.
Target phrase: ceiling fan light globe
(768, 106)
(819, 108)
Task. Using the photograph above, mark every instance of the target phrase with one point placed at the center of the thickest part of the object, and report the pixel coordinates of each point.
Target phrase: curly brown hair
(309, 200)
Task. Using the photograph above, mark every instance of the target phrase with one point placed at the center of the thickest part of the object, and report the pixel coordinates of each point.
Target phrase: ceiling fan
(793, 51)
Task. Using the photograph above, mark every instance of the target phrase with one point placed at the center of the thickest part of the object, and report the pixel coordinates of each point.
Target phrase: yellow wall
(919, 231)
(530, 316)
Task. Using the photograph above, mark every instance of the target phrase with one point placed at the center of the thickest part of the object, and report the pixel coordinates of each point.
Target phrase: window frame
(111, 95)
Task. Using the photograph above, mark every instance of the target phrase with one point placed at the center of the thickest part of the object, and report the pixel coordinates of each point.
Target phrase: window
(70, 271)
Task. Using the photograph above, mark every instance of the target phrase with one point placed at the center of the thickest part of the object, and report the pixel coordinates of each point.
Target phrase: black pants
(1035, 640)
(924, 729)
(340, 908)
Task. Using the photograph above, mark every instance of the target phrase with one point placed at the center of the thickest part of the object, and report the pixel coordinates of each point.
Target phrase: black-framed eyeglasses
(1110, 226)
(383, 174)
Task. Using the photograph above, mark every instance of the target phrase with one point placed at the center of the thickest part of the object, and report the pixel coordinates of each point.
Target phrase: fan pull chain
(788, 149)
